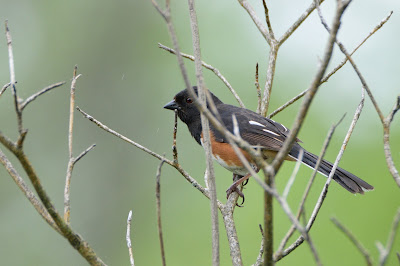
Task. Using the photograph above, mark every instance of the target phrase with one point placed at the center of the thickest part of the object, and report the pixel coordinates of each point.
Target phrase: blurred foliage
(125, 82)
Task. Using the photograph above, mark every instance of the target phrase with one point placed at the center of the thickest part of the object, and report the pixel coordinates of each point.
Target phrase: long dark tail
(346, 179)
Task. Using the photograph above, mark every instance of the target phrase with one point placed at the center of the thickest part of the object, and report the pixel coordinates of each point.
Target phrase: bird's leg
(234, 187)
(238, 179)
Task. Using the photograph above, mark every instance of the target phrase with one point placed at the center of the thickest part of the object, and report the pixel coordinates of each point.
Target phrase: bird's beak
(172, 105)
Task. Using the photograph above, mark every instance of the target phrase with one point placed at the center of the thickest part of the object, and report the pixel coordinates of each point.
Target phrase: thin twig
(385, 251)
(71, 111)
(158, 206)
(270, 188)
(77, 158)
(293, 175)
(128, 238)
(230, 229)
(178, 167)
(324, 192)
(273, 53)
(312, 91)
(74, 239)
(12, 79)
(386, 143)
(354, 240)
(39, 93)
(206, 134)
(71, 161)
(259, 260)
(257, 21)
(307, 190)
(344, 61)
(266, 11)
(257, 84)
(3, 89)
(298, 22)
(209, 67)
(385, 122)
(174, 148)
(339, 66)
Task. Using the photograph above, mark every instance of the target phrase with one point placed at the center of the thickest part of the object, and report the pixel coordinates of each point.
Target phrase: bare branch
(84, 153)
(354, 240)
(259, 260)
(71, 161)
(74, 239)
(158, 203)
(266, 11)
(325, 79)
(174, 148)
(12, 79)
(385, 122)
(273, 53)
(4, 88)
(71, 111)
(257, 84)
(344, 61)
(386, 143)
(128, 238)
(278, 253)
(163, 13)
(209, 67)
(206, 134)
(39, 93)
(182, 171)
(293, 175)
(230, 228)
(298, 22)
(257, 21)
(324, 192)
(312, 90)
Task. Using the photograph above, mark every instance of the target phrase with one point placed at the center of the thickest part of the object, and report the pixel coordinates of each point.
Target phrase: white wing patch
(254, 123)
(270, 132)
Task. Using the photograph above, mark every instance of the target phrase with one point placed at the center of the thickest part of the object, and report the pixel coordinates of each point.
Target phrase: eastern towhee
(259, 132)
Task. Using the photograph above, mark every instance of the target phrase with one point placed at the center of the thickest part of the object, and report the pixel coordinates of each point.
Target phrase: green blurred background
(126, 79)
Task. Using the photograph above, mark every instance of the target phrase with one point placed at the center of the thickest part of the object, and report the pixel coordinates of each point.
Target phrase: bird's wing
(257, 130)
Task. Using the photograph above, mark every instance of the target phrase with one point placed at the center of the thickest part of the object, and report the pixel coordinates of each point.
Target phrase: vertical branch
(354, 240)
(257, 84)
(313, 88)
(300, 211)
(71, 112)
(206, 134)
(268, 224)
(273, 53)
(174, 148)
(128, 238)
(259, 259)
(12, 79)
(158, 202)
(386, 143)
(71, 161)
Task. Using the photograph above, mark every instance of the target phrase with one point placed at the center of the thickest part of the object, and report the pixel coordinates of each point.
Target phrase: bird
(261, 133)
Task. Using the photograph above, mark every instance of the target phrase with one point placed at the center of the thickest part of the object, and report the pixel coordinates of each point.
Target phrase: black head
(184, 104)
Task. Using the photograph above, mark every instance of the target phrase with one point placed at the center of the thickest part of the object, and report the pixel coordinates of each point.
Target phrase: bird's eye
(189, 100)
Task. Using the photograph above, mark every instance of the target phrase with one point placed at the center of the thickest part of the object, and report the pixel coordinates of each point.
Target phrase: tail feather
(346, 179)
